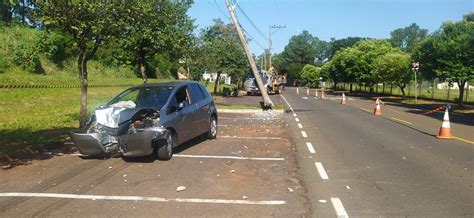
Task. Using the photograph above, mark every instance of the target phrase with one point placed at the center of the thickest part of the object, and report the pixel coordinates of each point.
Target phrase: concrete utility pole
(267, 102)
(270, 27)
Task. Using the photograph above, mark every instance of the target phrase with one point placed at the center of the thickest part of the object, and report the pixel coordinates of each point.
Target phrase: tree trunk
(461, 84)
(82, 66)
(350, 88)
(216, 84)
(402, 88)
(142, 67)
(7, 13)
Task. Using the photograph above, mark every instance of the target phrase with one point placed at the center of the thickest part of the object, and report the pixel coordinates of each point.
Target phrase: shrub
(54, 45)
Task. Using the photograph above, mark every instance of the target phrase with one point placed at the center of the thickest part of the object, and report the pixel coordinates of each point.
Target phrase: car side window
(204, 91)
(181, 96)
(196, 93)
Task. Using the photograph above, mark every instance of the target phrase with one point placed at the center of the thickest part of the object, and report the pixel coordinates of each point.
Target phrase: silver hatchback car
(149, 118)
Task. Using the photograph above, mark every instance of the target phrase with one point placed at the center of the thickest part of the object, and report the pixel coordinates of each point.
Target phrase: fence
(430, 90)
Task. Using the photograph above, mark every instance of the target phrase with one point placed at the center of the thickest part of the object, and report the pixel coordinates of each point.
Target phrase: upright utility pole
(267, 102)
(270, 27)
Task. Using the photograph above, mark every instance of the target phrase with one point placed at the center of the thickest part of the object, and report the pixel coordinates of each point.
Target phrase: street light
(415, 66)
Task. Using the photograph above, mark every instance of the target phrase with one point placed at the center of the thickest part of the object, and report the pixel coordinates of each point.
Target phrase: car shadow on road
(189, 144)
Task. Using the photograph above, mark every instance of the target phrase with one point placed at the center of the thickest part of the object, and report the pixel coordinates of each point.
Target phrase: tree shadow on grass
(20, 146)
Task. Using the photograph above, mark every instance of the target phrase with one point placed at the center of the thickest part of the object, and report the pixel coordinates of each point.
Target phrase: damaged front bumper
(139, 143)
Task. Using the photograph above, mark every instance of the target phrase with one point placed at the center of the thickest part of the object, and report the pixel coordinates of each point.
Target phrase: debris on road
(9, 166)
(110, 167)
(290, 189)
(245, 197)
(180, 188)
(347, 187)
(232, 171)
(124, 175)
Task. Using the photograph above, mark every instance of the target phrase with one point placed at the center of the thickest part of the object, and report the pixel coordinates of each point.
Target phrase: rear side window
(204, 91)
(196, 93)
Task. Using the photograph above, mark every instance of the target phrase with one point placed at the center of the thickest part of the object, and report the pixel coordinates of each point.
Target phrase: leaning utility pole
(267, 102)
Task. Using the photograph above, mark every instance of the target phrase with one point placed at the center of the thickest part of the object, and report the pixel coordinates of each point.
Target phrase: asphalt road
(249, 170)
(377, 166)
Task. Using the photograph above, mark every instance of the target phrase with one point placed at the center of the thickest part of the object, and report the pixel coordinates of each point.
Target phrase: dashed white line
(138, 198)
(229, 157)
(310, 147)
(321, 170)
(338, 207)
(297, 119)
(300, 126)
(294, 115)
(303, 133)
(304, 98)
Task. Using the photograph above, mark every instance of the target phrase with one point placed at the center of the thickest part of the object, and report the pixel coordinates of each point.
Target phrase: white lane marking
(294, 115)
(322, 201)
(138, 198)
(304, 98)
(246, 137)
(321, 170)
(230, 157)
(303, 133)
(338, 207)
(297, 119)
(300, 126)
(310, 147)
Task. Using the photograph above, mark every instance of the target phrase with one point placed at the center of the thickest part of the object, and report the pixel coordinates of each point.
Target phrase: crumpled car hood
(116, 114)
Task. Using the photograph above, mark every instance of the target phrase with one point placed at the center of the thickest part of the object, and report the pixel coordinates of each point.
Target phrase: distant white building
(445, 85)
(213, 76)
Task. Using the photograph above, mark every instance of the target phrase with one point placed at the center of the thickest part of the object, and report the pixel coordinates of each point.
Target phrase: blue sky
(330, 18)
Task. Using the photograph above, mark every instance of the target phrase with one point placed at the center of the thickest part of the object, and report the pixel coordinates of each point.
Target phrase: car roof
(170, 83)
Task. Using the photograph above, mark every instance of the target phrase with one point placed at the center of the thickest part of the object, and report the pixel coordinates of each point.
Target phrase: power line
(216, 6)
(251, 37)
(251, 22)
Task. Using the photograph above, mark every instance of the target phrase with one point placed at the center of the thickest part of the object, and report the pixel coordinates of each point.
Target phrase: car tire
(165, 147)
(212, 133)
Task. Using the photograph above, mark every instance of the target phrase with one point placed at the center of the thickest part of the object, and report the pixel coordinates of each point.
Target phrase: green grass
(33, 117)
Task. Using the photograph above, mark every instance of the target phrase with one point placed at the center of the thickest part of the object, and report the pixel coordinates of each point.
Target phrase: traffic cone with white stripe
(297, 91)
(343, 100)
(377, 110)
(316, 93)
(322, 94)
(445, 130)
(307, 91)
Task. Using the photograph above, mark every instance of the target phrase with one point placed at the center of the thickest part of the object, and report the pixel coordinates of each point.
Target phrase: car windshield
(144, 97)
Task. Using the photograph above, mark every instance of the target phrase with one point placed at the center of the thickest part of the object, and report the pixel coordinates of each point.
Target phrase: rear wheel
(165, 147)
(212, 133)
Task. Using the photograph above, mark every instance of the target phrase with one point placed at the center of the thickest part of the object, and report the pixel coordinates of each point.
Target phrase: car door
(180, 114)
(201, 117)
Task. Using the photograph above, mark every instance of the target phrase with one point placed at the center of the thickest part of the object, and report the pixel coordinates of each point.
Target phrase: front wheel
(165, 149)
(212, 133)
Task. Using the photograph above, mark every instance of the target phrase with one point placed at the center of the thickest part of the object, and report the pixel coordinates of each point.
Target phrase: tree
(310, 74)
(408, 37)
(364, 65)
(299, 52)
(395, 68)
(344, 66)
(450, 53)
(221, 51)
(157, 26)
(91, 24)
(338, 44)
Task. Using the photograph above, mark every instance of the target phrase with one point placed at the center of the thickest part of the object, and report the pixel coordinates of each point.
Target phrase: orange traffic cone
(377, 110)
(322, 94)
(297, 91)
(445, 130)
(343, 100)
(307, 91)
